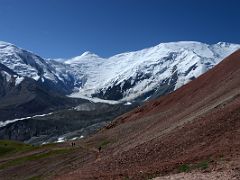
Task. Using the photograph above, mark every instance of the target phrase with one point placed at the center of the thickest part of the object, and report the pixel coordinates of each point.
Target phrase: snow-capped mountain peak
(88, 53)
(148, 72)
(27, 64)
(3, 43)
(86, 56)
(137, 75)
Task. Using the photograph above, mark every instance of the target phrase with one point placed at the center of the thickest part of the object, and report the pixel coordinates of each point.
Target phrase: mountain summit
(86, 56)
(147, 73)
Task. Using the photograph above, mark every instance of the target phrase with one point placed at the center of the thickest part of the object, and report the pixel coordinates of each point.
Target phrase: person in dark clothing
(99, 149)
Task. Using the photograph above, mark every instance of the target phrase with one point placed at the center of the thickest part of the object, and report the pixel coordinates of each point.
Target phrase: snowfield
(147, 69)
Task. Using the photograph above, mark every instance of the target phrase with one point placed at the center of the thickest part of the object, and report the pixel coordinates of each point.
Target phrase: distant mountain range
(131, 76)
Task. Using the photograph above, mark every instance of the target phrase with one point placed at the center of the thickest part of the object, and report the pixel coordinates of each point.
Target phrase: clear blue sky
(66, 28)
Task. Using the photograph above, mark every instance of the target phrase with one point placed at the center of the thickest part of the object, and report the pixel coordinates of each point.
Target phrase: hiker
(98, 153)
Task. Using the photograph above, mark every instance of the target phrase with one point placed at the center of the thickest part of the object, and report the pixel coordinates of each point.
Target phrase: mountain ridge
(135, 66)
(131, 76)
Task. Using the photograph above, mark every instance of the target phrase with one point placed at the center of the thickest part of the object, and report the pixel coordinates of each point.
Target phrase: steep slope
(197, 123)
(148, 73)
(7, 79)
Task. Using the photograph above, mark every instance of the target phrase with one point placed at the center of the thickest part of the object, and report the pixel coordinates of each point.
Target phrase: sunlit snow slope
(146, 73)
(138, 75)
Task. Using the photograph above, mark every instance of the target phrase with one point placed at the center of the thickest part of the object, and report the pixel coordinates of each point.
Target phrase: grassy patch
(34, 157)
(35, 178)
(184, 168)
(9, 147)
(104, 143)
(187, 168)
(49, 145)
(202, 165)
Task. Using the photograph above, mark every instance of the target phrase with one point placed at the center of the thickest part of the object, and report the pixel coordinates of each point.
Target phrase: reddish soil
(198, 122)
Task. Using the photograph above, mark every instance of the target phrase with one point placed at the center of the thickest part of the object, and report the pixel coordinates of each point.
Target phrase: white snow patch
(128, 103)
(60, 139)
(4, 123)
(6, 75)
(95, 100)
(18, 80)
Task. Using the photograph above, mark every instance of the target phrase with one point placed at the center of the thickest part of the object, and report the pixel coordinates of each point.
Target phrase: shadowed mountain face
(198, 122)
(5, 77)
(23, 96)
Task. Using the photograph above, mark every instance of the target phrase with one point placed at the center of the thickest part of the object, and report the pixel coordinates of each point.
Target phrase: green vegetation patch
(35, 178)
(9, 147)
(33, 157)
(104, 143)
(184, 168)
(187, 168)
(202, 165)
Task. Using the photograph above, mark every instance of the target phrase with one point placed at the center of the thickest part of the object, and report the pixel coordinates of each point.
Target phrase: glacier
(145, 70)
